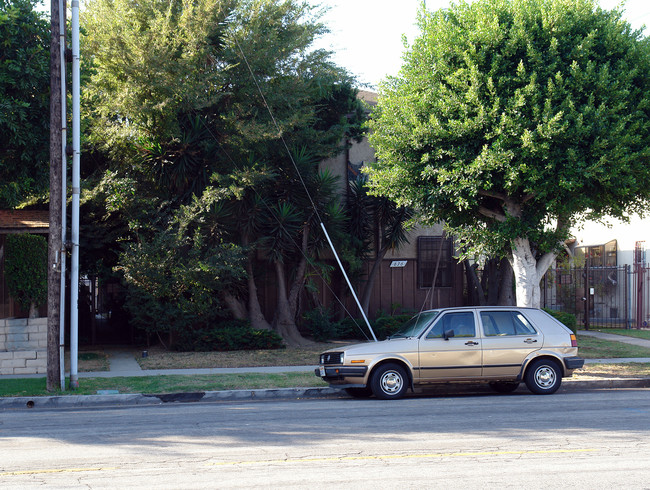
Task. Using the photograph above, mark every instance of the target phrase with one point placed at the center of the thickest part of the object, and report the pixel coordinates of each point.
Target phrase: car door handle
(530, 341)
(471, 342)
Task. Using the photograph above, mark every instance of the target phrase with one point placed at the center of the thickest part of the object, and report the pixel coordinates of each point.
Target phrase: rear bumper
(572, 363)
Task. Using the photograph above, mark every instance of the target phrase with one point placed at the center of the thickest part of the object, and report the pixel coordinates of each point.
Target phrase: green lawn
(593, 348)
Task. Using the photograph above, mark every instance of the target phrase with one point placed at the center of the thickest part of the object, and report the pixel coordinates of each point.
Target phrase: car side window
(505, 323)
(523, 326)
(462, 323)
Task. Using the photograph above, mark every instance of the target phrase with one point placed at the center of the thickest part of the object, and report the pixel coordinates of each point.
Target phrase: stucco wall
(23, 346)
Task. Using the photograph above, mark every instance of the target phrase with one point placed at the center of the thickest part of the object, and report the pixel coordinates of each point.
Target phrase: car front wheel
(389, 382)
(543, 377)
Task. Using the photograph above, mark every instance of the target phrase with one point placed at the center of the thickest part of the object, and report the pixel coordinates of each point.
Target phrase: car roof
(457, 308)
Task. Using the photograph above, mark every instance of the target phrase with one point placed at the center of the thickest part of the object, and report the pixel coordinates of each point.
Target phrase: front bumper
(340, 374)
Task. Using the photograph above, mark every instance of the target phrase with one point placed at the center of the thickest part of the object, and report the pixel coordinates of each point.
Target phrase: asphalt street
(597, 439)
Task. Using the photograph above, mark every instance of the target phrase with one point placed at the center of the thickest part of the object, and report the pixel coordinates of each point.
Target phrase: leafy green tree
(513, 121)
(24, 101)
(182, 118)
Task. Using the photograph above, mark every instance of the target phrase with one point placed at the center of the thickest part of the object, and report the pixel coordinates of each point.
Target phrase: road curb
(606, 383)
(87, 401)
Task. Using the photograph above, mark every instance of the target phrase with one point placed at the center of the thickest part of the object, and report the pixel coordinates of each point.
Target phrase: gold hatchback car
(502, 346)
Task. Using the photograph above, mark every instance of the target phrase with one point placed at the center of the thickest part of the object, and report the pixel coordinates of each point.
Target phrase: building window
(435, 252)
(599, 255)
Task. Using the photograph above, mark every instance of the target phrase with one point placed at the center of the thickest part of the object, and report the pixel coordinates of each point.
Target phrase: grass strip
(164, 384)
(593, 348)
(627, 370)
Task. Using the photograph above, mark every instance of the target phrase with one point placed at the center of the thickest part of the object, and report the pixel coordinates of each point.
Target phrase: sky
(366, 35)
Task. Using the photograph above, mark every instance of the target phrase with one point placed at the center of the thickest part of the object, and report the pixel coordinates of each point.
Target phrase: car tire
(543, 377)
(504, 386)
(359, 392)
(389, 382)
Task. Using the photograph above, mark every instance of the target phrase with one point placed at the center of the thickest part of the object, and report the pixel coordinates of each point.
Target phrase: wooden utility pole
(54, 242)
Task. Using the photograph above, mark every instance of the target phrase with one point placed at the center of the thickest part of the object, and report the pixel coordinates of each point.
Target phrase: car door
(508, 338)
(457, 357)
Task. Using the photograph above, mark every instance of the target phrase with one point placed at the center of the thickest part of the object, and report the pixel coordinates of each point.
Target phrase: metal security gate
(614, 297)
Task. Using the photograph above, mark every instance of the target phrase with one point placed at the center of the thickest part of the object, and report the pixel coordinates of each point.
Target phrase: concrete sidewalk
(616, 338)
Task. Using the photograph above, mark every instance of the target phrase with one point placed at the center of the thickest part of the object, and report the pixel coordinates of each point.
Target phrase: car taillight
(574, 340)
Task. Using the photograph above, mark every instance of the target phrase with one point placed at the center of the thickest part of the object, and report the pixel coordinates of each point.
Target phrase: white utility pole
(76, 153)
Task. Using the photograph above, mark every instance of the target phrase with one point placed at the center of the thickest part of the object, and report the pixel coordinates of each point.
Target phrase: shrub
(320, 325)
(227, 336)
(387, 325)
(356, 329)
(567, 319)
(26, 269)
(352, 329)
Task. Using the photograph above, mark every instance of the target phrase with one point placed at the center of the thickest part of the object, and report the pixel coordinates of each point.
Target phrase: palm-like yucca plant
(376, 225)
(182, 166)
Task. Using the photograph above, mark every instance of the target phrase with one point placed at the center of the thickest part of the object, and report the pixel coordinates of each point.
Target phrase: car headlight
(332, 358)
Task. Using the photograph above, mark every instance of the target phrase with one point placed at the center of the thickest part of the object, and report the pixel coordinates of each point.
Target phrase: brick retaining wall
(23, 346)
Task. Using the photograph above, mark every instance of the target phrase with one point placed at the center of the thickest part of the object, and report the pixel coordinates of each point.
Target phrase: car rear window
(504, 323)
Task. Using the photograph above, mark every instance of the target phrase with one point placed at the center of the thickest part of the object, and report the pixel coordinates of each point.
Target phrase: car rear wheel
(389, 382)
(504, 386)
(543, 377)
(359, 392)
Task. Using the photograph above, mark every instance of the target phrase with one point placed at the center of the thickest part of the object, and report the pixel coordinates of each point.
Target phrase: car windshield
(415, 325)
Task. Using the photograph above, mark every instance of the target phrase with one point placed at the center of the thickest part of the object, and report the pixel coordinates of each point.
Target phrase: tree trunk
(235, 306)
(299, 276)
(528, 273)
(474, 287)
(33, 310)
(491, 281)
(506, 278)
(370, 283)
(255, 315)
(254, 310)
(285, 322)
(55, 233)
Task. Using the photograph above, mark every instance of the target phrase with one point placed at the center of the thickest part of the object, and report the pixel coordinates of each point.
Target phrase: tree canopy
(24, 101)
(179, 101)
(511, 121)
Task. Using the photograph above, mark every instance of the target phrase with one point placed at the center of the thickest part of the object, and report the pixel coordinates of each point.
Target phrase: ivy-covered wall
(25, 270)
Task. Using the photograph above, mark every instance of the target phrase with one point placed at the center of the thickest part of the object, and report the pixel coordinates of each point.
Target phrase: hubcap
(391, 382)
(545, 377)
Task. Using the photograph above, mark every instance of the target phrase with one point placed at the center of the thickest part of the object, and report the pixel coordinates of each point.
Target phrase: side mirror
(447, 334)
